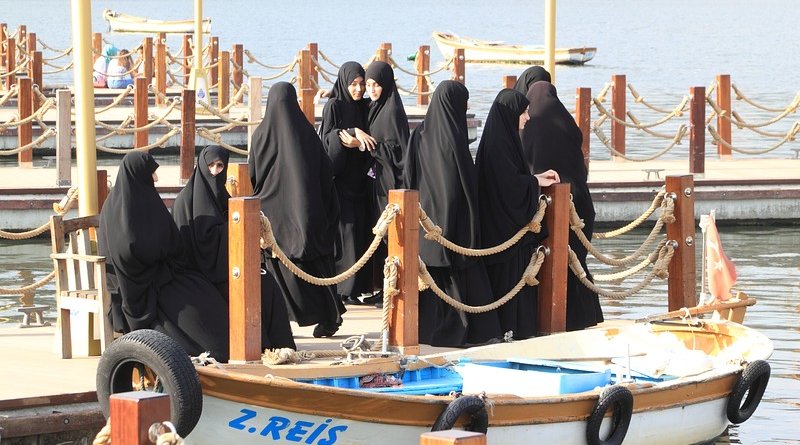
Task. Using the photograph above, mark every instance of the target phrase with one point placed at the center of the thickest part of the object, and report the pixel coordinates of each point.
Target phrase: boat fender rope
(621, 399)
(472, 406)
(751, 384)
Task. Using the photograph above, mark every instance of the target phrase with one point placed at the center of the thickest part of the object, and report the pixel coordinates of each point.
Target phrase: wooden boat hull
(241, 405)
(125, 23)
(478, 51)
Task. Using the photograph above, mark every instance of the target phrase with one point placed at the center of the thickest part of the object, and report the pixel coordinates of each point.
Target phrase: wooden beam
(24, 131)
(404, 244)
(724, 122)
(583, 117)
(697, 130)
(187, 53)
(238, 182)
(238, 59)
(64, 138)
(161, 68)
(244, 254)
(224, 87)
(141, 96)
(509, 81)
(213, 55)
(132, 413)
(313, 52)
(253, 104)
(147, 53)
(682, 276)
(553, 274)
(459, 66)
(188, 128)
(452, 437)
(618, 109)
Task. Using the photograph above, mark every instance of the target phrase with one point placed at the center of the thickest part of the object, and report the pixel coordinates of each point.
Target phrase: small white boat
(666, 382)
(482, 51)
(121, 22)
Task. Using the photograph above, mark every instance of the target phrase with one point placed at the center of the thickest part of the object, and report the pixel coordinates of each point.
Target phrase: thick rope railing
(660, 269)
(640, 100)
(434, 233)
(48, 47)
(619, 277)
(322, 70)
(160, 143)
(739, 122)
(677, 112)
(528, 279)
(252, 59)
(268, 242)
(325, 58)
(33, 144)
(116, 101)
(22, 65)
(446, 66)
(682, 131)
(38, 114)
(790, 136)
(667, 216)
(601, 96)
(30, 287)
(636, 222)
(60, 208)
(742, 97)
(11, 93)
(216, 138)
(219, 113)
(58, 68)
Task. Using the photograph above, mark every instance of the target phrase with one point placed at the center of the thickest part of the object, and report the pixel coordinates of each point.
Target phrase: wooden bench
(656, 171)
(796, 152)
(80, 282)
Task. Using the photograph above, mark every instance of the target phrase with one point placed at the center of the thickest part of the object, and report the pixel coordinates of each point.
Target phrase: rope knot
(267, 237)
(535, 226)
(433, 233)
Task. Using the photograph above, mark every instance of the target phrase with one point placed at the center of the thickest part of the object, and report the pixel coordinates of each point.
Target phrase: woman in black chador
(555, 140)
(439, 165)
(201, 214)
(343, 133)
(293, 177)
(526, 79)
(509, 198)
(388, 124)
(150, 284)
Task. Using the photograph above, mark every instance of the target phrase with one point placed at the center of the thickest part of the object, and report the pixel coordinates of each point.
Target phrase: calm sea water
(664, 47)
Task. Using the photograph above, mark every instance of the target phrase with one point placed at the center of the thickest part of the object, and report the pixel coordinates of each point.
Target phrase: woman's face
(523, 119)
(356, 88)
(374, 89)
(216, 167)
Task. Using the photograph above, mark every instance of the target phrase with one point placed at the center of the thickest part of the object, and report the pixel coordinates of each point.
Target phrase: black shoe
(326, 329)
(374, 299)
(351, 300)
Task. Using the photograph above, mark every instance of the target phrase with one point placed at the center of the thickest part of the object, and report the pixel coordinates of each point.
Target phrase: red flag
(720, 269)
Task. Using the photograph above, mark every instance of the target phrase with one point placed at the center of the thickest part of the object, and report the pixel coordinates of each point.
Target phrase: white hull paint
(232, 422)
(476, 51)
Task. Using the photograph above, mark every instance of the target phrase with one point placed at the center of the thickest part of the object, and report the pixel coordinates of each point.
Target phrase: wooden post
(618, 110)
(724, 122)
(132, 413)
(313, 51)
(3, 40)
(11, 60)
(244, 230)
(697, 130)
(102, 188)
(35, 72)
(161, 68)
(22, 36)
(187, 135)
(224, 87)
(63, 138)
(97, 45)
(187, 53)
(452, 437)
(140, 105)
(30, 48)
(404, 245)
(213, 58)
(583, 117)
(681, 282)
(147, 53)
(423, 65)
(238, 182)
(254, 104)
(553, 274)
(305, 86)
(24, 131)
(384, 51)
(238, 59)
(509, 81)
(459, 65)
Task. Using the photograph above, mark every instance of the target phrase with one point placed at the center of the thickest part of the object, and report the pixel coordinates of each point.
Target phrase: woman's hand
(548, 178)
(366, 140)
(347, 140)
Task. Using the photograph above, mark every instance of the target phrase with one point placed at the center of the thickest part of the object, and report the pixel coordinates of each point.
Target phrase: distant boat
(121, 22)
(483, 51)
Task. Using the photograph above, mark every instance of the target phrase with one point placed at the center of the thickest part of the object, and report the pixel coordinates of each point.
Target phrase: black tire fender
(473, 406)
(175, 373)
(751, 384)
(621, 399)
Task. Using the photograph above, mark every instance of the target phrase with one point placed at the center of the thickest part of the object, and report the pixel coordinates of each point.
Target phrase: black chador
(526, 79)
(508, 201)
(292, 175)
(439, 165)
(150, 283)
(201, 214)
(388, 124)
(354, 187)
(555, 141)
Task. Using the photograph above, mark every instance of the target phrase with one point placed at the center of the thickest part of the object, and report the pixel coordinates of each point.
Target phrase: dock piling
(583, 117)
(724, 122)
(509, 81)
(254, 104)
(186, 47)
(140, 107)
(161, 68)
(147, 53)
(224, 87)
(618, 109)
(403, 243)
(697, 130)
(553, 274)
(11, 60)
(24, 111)
(132, 413)
(459, 66)
(682, 276)
(213, 56)
(423, 65)
(238, 71)
(452, 437)
(188, 129)
(244, 251)
(64, 138)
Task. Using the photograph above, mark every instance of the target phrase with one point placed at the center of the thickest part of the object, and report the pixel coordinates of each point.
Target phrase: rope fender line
(790, 136)
(742, 97)
(434, 232)
(682, 131)
(528, 279)
(268, 242)
(636, 222)
(30, 287)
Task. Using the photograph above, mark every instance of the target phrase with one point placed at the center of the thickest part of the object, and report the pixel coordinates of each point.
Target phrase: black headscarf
(388, 124)
(201, 213)
(293, 177)
(529, 76)
(342, 112)
(438, 164)
(508, 192)
(138, 238)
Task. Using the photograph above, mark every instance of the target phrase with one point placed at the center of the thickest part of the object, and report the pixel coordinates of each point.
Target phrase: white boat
(483, 51)
(126, 23)
(666, 382)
